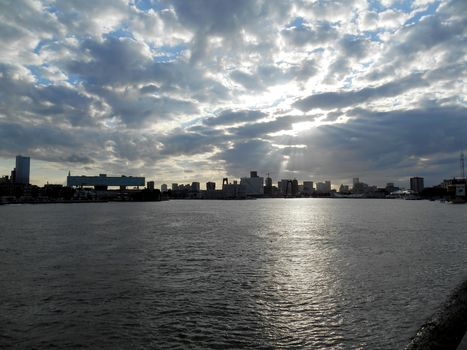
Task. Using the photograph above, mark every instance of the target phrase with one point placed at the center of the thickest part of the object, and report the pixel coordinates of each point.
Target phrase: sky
(182, 91)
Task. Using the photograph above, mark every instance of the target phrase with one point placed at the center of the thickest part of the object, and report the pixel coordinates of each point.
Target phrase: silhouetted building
(417, 184)
(344, 189)
(210, 186)
(294, 187)
(233, 191)
(150, 185)
(268, 186)
(195, 186)
(175, 187)
(285, 187)
(323, 187)
(307, 187)
(359, 187)
(164, 188)
(391, 188)
(22, 170)
(103, 181)
(253, 185)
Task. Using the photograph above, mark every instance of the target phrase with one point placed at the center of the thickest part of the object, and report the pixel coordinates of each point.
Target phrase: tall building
(210, 186)
(268, 182)
(268, 186)
(22, 170)
(253, 185)
(323, 187)
(150, 185)
(417, 184)
(164, 188)
(294, 187)
(307, 187)
(195, 187)
(175, 187)
(283, 188)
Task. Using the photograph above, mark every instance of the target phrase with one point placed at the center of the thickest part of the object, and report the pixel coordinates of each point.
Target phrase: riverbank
(446, 329)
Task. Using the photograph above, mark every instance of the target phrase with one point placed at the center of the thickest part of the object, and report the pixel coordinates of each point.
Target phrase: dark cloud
(250, 155)
(427, 34)
(331, 100)
(305, 70)
(354, 46)
(266, 76)
(230, 117)
(398, 143)
(22, 98)
(43, 142)
(181, 142)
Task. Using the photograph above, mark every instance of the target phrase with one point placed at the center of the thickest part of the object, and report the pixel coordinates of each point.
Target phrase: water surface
(300, 273)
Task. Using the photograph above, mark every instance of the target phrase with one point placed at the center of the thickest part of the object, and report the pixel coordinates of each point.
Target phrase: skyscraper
(22, 170)
(417, 184)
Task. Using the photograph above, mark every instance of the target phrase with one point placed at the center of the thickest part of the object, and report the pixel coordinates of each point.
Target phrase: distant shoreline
(195, 199)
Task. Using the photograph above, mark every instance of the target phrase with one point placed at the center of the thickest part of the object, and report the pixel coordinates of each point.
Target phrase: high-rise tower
(22, 170)
(461, 166)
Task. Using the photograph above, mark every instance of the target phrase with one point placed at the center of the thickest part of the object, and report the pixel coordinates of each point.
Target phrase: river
(266, 274)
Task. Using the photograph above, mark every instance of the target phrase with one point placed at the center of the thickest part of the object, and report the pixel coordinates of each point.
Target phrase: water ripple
(266, 274)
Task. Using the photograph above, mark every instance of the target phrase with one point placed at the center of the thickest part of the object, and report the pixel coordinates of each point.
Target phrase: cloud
(250, 155)
(229, 117)
(305, 34)
(386, 145)
(163, 87)
(331, 100)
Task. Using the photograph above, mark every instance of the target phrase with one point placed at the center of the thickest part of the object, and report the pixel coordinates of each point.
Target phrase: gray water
(300, 273)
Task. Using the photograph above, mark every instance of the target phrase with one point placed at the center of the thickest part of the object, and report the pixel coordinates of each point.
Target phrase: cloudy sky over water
(179, 91)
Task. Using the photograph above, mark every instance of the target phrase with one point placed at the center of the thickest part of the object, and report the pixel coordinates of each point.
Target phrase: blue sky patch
(36, 72)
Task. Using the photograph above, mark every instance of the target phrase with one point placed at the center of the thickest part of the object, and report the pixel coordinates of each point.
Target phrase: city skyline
(21, 173)
(196, 91)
